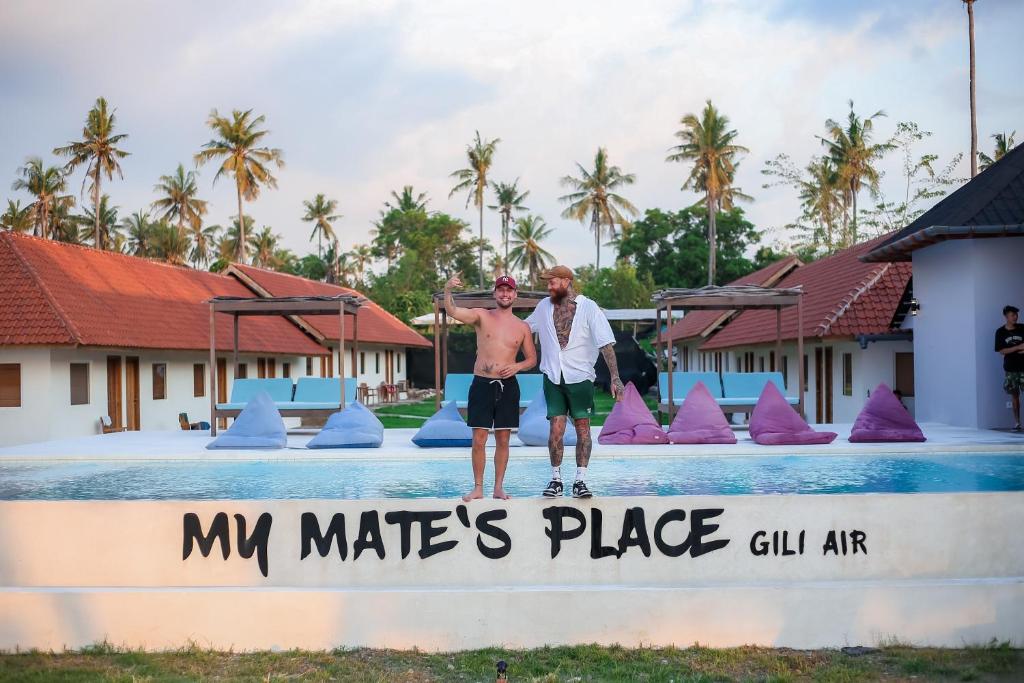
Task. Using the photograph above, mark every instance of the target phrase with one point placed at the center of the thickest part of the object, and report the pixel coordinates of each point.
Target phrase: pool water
(446, 478)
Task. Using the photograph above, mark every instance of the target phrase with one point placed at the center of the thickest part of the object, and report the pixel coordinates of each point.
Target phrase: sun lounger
(740, 390)
(313, 396)
(243, 390)
(529, 386)
(682, 382)
(456, 388)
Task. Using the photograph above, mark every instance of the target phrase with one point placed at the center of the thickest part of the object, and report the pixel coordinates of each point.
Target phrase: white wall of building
(962, 286)
(373, 367)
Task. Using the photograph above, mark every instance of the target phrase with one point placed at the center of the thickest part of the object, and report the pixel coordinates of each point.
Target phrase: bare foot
(475, 494)
(500, 494)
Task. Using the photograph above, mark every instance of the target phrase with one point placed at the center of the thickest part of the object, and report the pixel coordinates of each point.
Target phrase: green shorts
(1012, 384)
(575, 400)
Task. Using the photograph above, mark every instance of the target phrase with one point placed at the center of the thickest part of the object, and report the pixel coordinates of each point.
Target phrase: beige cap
(558, 271)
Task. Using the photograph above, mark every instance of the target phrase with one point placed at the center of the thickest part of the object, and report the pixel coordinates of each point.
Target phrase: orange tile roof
(55, 293)
(843, 297)
(375, 324)
(697, 322)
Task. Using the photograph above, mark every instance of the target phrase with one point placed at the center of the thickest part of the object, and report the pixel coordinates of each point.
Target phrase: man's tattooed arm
(608, 351)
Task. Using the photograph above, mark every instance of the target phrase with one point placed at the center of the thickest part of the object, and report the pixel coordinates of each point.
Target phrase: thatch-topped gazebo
(480, 298)
(730, 298)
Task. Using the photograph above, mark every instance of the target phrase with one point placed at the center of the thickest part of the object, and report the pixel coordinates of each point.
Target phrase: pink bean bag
(775, 422)
(883, 418)
(700, 420)
(631, 423)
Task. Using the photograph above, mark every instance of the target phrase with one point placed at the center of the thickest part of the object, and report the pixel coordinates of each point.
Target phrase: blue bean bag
(446, 428)
(353, 427)
(534, 424)
(259, 425)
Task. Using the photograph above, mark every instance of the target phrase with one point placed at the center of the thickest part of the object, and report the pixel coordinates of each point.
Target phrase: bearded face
(558, 288)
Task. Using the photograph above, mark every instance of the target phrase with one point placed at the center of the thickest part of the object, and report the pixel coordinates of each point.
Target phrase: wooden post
(444, 347)
(668, 360)
(778, 341)
(355, 345)
(437, 357)
(213, 373)
(800, 351)
(657, 352)
(235, 354)
(341, 353)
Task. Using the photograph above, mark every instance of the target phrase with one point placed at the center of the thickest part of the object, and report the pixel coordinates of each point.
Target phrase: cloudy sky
(365, 97)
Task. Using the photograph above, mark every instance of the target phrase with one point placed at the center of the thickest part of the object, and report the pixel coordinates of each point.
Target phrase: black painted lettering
(831, 545)
(634, 532)
(257, 542)
(857, 539)
(597, 551)
(428, 532)
(404, 519)
(786, 550)
(556, 530)
(842, 539)
(193, 533)
(802, 534)
(369, 535)
(759, 547)
(310, 529)
(484, 526)
(668, 549)
(698, 530)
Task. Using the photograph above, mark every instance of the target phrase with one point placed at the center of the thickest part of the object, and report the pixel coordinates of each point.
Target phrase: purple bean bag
(883, 418)
(700, 420)
(775, 423)
(631, 423)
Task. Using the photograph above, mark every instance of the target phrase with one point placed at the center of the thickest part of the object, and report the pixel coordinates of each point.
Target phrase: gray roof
(989, 205)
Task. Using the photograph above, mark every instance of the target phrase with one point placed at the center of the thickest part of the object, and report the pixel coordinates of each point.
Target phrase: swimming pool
(447, 478)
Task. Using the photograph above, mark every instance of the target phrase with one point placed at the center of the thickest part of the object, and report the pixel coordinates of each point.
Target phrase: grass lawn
(413, 414)
(581, 663)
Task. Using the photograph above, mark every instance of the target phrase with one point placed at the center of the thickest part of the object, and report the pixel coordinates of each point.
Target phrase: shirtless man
(572, 331)
(494, 394)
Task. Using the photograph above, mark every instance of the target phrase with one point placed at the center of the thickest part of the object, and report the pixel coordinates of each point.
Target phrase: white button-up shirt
(590, 331)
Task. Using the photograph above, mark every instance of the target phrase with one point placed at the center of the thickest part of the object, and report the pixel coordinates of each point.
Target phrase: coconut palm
(407, 201)
(480, 156)
(853, 154)
(236, 146)
(527, 253)
(265, 246)
(45, 183)
(138, 230)
(204, 241)
(510, 200)
(708, 143)
(103, 220)
(98, 151)
(974, 104)
(16, 218)
(594, 196)
(361, 255)
(227, 244)
(821, 197)
(1004, 144)
(179, 202)
(321, 212)
(169, 243)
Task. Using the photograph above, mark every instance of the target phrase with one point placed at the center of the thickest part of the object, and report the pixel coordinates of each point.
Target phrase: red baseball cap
(505, 281)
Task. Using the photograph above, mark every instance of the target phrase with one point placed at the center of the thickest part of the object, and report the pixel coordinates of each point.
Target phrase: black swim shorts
(493, 403)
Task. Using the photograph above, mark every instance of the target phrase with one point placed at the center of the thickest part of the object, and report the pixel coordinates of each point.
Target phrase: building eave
(901, 250)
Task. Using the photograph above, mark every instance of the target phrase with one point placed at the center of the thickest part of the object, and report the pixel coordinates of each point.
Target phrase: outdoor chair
(456, 389)
(682, 382)
(107, 426)
(320, 393)
(243, 390)
(741, 390)
(529, 386)
(189, 426)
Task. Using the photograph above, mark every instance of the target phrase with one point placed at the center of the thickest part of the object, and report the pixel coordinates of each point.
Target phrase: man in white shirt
(572, 331)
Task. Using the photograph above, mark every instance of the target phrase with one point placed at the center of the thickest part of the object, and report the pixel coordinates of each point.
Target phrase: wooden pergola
(237, 307)
(482, 298)
(731, 298)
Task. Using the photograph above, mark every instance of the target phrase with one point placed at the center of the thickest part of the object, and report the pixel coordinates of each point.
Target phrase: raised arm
(470, 316)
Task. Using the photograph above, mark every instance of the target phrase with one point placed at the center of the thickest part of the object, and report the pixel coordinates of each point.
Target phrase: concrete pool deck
(182, 445)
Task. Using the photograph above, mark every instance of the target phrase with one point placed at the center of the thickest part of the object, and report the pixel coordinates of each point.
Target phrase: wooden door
(389, 366)
(114, 396)
(132, 389)
(222, 389)
(823, 385)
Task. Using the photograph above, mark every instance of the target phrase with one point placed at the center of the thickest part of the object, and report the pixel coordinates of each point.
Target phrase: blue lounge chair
(742, 389)
(682, 382)
(456, 388)
(313, 396)
(529, 386)
(321, 393)
(244, 390)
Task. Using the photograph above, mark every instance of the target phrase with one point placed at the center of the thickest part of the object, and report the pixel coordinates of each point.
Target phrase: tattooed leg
(555, 434)
(583, 443)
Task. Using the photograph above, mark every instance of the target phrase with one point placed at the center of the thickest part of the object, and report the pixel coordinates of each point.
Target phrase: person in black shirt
(1010, 343)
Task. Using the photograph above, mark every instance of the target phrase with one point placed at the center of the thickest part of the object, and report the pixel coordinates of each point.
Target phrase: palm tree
(527, 253)
(853, 154)
(594, 196)
(709, 143)
(103, 219)
(16, 218)
(510, 200)
(264, 248)
(320, 212)
(98, 151)
(974, 105)
(203, 245)
(179, 202)
(138, 230)
(360, 255)
(227, 245)
(169, 243)
(406, 202)
(236, 143)
(480, 155)
(45, 183)
(1003, 145)
(821, 196)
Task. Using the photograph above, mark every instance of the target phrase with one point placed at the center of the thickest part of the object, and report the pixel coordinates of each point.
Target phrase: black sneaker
(580, 490)
(554, 489)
